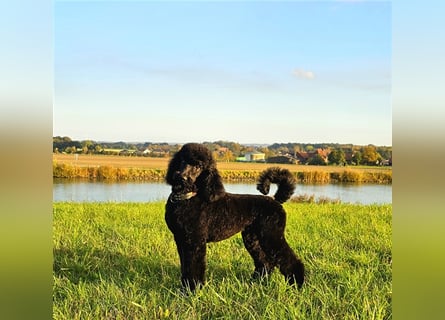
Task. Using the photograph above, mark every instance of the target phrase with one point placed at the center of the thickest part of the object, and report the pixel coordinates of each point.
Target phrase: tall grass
(119, 261)
(106, 172)
(68, 171)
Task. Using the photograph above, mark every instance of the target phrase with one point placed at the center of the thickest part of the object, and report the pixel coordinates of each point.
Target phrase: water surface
(88, 191)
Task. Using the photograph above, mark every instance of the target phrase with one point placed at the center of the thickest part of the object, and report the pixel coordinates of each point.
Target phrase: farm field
(119, 261)
(162, 163)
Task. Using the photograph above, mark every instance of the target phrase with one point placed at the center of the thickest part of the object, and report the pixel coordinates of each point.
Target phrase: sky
(248, 72)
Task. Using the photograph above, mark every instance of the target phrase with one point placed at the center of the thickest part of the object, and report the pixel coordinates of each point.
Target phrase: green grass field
(119, 261)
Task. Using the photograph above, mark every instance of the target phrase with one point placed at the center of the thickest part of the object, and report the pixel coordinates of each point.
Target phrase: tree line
(311, 154)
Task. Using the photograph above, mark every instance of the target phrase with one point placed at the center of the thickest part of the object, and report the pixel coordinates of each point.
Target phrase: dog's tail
(282, 177)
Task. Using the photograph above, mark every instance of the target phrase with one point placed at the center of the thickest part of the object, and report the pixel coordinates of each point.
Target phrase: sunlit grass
(119, 261)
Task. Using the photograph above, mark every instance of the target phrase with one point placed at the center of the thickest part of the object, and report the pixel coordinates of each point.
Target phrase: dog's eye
(195, 164)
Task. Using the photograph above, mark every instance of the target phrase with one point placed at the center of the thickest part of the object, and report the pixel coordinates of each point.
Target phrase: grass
(119, 261)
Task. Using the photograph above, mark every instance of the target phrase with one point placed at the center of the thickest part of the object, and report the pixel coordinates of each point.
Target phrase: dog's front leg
(193, 264)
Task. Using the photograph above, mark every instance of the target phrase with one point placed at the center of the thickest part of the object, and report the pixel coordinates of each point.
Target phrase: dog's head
(188, 163)
(193, 170)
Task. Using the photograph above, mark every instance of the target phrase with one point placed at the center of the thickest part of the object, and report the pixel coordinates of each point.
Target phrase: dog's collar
(181, 196)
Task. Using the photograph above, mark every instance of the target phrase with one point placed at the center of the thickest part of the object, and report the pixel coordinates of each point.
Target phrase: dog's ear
(209, 183)
(173, 166)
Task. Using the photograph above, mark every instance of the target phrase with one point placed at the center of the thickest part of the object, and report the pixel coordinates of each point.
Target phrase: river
(87, 191)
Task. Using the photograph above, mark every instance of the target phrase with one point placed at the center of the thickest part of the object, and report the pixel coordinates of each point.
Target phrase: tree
(337, 156)
(64, 143)
(317, 160)
(266, 152)
(98, 148)
(87, 146)
(370, 156)
(385, 152)
(227, 156)
(71, 149)
(357, 157)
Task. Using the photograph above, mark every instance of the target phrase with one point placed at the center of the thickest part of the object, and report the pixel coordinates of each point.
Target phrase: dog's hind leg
(262, 266)
(290, 266)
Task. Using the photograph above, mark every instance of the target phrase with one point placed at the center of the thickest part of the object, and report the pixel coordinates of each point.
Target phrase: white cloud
(300, 73)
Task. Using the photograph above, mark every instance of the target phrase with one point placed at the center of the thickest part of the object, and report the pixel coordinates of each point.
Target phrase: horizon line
(222, 140)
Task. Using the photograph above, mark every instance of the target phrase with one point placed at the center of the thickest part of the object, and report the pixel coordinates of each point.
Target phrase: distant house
(305, 157)
(302, 157)
(349, 156)
(255, 156)
(323, 153)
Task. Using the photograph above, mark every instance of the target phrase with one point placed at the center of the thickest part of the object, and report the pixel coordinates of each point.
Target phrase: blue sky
(250, 72)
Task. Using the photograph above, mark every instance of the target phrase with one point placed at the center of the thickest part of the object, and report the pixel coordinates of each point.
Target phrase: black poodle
(199, 210)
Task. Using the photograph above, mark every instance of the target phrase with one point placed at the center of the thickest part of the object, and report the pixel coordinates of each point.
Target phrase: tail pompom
(283, 178)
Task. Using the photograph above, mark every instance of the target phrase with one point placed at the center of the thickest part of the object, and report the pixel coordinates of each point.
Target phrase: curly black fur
(199, 210)
(282, 177)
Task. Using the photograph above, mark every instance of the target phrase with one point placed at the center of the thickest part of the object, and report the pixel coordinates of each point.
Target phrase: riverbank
(115, 168)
